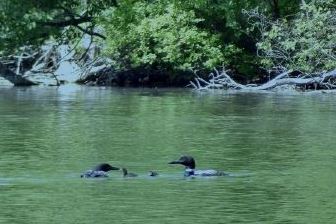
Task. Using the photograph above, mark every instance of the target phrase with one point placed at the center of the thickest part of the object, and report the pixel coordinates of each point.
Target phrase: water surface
(280, 150)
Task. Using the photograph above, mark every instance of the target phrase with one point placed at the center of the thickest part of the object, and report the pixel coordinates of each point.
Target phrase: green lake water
(280, 151)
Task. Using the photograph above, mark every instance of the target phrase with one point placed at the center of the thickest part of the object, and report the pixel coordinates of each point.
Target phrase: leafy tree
(226, 19)
(162, 35)
(33, 21)
(171, 36)
(306, 43)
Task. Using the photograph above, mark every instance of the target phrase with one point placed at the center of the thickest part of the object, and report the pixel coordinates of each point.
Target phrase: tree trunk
(275, 8)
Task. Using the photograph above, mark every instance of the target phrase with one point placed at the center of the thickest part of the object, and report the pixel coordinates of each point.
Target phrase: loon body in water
(99, 171)
(127, 174)
(190, 164)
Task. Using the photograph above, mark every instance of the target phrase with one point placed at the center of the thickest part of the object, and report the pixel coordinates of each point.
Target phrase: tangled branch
(221, 80)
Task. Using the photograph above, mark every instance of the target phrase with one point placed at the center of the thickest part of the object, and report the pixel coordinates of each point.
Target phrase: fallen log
(221, 80)
(14, 78)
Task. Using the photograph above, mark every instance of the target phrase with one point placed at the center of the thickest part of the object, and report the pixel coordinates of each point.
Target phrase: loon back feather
(94, 173)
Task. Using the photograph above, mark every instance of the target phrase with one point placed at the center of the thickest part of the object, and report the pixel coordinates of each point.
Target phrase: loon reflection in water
(99, 171)
(190, 164)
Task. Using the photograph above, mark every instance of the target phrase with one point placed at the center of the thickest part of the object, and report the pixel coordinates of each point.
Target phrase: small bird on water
(152, 173)
(127, 174)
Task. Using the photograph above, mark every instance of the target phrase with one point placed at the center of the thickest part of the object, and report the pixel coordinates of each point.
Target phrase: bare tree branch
(68, 22)
(90, 32)
(224, 81)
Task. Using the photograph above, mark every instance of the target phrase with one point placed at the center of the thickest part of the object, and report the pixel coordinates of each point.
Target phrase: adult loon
(190, 164)
(127, 174)
(99, 171)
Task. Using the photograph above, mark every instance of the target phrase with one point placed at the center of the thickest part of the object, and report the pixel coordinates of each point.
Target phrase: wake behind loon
(99, 171)
(190, 164)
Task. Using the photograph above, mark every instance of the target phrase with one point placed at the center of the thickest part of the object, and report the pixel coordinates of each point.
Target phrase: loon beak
(175, 162)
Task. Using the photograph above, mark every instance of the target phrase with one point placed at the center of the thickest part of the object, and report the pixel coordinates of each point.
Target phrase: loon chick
(127, 174)
(152, 173)
(190, 164)
(99, 171)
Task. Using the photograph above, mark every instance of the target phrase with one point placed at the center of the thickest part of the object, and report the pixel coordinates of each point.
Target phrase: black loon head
(105, 167)
(186, 161)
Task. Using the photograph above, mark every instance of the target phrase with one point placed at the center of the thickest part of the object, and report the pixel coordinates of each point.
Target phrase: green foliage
(170, 36)
(162, 35)
(306, 43)
(225, 18)
(31, 22)
(19, 22)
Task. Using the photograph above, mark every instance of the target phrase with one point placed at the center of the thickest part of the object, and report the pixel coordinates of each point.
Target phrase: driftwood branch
(14, 78)
(221, 80)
